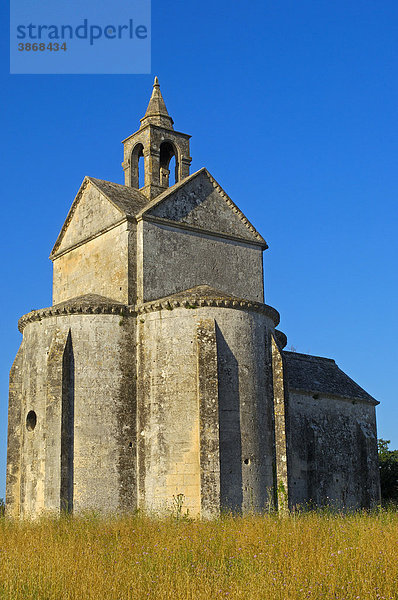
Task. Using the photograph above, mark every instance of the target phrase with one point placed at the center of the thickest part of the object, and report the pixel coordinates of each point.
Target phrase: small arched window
(31, 420)
(167, 153)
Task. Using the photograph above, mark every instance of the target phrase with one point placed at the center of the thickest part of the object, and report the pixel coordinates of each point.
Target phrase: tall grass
(257, 557)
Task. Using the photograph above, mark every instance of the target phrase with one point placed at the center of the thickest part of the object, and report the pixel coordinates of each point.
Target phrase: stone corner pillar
(208, 417)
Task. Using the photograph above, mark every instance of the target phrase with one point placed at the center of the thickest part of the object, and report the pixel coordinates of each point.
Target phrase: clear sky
(292, 106)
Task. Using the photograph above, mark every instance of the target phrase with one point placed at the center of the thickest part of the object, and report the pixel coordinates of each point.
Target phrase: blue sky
(292, 107)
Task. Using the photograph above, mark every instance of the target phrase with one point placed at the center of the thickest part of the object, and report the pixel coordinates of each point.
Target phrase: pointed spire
(156, 113)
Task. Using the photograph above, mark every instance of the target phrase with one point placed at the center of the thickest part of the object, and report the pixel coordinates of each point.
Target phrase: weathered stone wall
(333, 451)
(14, 438)
(281, 418)
(168, 413)
(245, 409)
(180, 351)
(209, 422)
(92, 213)
(174, 259)
(201, 203)
(99, 266)
(79, 379)
(34, 398)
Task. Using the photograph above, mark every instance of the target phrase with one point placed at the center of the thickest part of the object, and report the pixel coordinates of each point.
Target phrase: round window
(31, 420)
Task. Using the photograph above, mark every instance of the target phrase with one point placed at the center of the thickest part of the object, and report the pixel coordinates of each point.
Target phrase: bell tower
(157, 142)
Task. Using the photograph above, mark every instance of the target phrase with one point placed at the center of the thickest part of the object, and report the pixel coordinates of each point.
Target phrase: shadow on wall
(67, 426)
(231, 486)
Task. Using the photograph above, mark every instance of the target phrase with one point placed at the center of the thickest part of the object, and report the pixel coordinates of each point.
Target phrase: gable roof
(318, 375)
(156, 202)
(87, 300)
(198, 292)
(132, 203)
(127, 200)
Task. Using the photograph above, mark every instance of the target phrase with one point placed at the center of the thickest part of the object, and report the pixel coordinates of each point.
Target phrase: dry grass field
(311, 555)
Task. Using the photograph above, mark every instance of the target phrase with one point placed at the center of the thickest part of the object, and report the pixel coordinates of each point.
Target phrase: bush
(2, 507)
(388, 463)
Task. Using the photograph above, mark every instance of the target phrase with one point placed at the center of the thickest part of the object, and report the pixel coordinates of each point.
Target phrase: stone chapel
(159, 376)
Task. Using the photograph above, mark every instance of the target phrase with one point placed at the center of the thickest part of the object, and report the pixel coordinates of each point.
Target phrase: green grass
(312, 555)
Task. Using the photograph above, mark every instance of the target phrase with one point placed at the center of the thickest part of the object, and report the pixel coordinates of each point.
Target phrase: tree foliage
(388, 463)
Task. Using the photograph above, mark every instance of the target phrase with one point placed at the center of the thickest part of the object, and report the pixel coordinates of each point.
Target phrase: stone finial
(156, 113)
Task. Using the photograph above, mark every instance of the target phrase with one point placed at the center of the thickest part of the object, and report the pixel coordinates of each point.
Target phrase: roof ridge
(126, 188)
(308, 357)
(107, 181)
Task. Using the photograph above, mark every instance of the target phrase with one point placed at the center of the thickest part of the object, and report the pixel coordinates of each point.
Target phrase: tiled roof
(127, 199)
(318, 375)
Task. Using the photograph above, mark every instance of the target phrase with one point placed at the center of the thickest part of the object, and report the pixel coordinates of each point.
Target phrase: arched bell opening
(173, 174)
(167, 153)
(137, 166)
